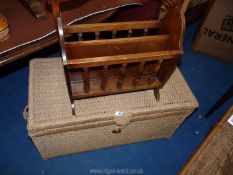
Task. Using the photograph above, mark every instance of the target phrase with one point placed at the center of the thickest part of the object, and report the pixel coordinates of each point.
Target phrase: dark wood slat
(121, 76)
(118, 46)
(114, 34)
(78, 93)
(123, 59)
(130, 32)
(139, 73)
(156, 68)
(104, 78)
(97, 35)
(118, 40)
(80, 36)
(86, 80)
(113, 71)
(145, 32)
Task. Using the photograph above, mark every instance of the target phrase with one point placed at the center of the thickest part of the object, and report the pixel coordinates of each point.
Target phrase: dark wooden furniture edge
(30, 48)
(211, 134)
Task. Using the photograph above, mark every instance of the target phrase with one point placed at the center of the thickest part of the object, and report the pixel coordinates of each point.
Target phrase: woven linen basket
(102, 121)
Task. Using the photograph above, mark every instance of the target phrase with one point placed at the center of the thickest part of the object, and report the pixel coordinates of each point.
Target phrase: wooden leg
(67, 76)
(72, 107)
(156, 94)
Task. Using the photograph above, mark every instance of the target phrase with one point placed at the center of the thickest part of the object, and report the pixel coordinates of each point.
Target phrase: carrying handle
(25, 113)
(121, 120)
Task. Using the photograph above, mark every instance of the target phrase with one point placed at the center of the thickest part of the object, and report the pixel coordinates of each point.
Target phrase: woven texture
(215, 156)
(55, 131)
(49, 102)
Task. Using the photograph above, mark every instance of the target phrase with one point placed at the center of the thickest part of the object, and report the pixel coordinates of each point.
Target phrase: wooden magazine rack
(109, 58)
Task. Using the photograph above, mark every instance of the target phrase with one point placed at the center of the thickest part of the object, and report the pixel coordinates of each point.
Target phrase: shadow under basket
(99, 122)
(110, 58)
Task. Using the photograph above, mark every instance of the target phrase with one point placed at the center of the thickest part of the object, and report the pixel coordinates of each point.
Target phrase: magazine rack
(109, 58)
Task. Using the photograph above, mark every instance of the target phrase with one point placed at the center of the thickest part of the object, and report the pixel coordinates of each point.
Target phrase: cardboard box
(215, 37)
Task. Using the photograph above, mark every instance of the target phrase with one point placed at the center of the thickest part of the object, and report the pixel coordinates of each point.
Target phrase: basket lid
(49, 105)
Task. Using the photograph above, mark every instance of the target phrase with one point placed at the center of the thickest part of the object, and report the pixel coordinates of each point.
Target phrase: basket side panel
(102, 137)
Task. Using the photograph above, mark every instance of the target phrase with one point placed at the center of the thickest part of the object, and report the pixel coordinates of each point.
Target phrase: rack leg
(72, 107)
(156, 94)
(69, 89)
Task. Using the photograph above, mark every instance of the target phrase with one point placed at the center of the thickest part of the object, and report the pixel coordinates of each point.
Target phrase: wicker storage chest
(97, 124)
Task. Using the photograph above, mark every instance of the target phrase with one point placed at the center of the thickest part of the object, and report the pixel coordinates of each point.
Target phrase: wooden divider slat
(123, 59)
(98, 27)
(104, 78)
(139, 73)
(118, 46)
(156, 68)
(86, 80)
(120, 81)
